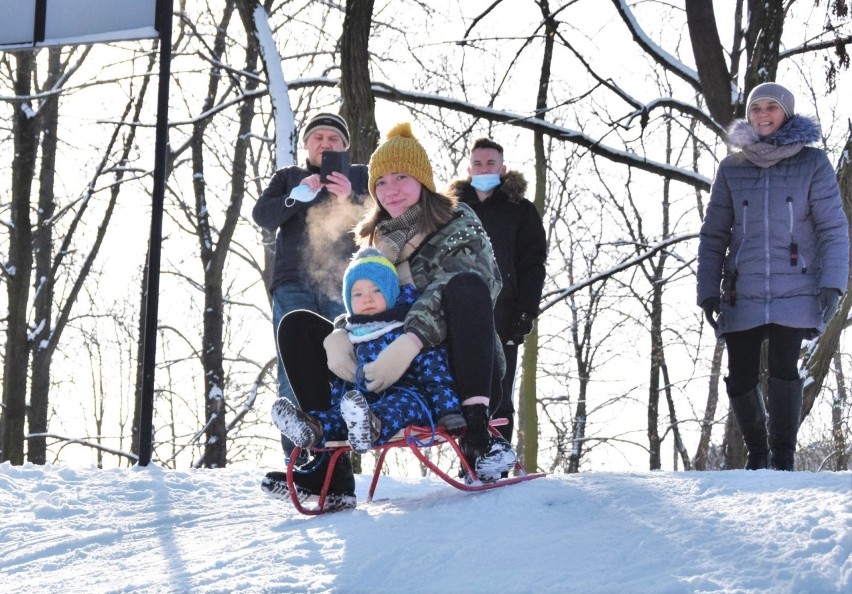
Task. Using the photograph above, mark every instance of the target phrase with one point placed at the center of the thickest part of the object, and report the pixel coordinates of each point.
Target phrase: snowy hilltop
(153, 530)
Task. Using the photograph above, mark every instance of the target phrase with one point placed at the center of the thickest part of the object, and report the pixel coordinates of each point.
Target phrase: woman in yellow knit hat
(439, 246)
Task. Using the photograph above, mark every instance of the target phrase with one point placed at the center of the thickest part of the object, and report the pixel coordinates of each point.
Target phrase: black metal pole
(152, 292)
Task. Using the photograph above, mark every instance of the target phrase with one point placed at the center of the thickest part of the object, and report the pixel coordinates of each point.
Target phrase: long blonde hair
(437, 211)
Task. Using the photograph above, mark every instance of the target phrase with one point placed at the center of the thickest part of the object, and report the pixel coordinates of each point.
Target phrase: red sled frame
(408, 438)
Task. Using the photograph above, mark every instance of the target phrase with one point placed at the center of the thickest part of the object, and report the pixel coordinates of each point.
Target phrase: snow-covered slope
(149, 530)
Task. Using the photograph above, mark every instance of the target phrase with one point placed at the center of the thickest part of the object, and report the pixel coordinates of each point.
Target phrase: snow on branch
(285, 131)
(84, 442)
(658, 54)
(685, 176)
(595, 147)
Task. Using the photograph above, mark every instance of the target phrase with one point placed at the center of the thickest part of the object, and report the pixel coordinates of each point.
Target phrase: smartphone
(334, 161)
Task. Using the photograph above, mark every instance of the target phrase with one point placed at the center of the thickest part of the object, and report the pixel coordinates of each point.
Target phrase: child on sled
(425, 395)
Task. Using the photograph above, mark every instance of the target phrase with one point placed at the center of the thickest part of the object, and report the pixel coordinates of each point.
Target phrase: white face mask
(485, 182)
(301, 193)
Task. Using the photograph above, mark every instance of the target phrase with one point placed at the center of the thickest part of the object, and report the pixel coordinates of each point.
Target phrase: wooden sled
(408, 438)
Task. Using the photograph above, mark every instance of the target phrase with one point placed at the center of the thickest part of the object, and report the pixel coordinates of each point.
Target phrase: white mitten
(392, 362)
(340, 354)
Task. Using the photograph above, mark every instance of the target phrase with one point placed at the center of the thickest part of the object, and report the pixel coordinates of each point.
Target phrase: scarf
(766, 155)
(393, 235)
(363, 328)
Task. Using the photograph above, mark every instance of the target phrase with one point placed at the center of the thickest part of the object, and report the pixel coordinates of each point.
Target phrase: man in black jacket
(520, 247)
(313, 222)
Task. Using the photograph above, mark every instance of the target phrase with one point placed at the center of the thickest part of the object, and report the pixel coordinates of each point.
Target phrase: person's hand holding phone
(334, 174)
(339, 185)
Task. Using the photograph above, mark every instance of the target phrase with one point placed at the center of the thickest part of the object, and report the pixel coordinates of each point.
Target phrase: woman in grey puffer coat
(773, 261)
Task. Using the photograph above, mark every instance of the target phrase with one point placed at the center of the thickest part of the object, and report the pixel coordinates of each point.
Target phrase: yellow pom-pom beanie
(401, 152)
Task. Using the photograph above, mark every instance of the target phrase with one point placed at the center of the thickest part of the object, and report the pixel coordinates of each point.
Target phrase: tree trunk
(213, 251)
(654, 440)
(763, 41)
(578, 426)
(44, 275)
(701, 454)
(841, 447)
(19, 265)
(710, 60)
(359, 105)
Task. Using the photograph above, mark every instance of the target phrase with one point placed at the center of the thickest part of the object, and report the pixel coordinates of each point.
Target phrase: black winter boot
(785, 411)
(750, 414)
(474, 442)
(490, 456)
(308, 481)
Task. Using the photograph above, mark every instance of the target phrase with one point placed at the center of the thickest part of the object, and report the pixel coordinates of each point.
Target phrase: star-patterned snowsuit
(426, 391)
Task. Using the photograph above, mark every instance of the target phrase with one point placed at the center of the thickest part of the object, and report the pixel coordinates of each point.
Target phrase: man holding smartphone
(313, 215)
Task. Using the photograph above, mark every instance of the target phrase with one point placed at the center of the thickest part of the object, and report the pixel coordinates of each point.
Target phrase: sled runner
(414, 438)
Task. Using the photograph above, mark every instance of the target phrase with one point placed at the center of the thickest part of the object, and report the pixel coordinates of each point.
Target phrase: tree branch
(563, 293)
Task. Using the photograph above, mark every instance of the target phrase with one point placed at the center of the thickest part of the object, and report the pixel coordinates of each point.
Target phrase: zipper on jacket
(795, 257)
(732, 292)
(767, 266)
(794, 247)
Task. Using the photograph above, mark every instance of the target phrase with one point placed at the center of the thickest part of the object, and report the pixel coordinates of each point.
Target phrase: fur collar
(797, 129)
(513, 186)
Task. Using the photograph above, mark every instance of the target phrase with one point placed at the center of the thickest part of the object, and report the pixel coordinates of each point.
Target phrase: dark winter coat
(519, 242)
(772, 237)
(429, 373)
(319, 254)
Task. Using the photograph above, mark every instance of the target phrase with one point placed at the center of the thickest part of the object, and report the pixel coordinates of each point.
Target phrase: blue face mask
(301, 193)
(485, 182)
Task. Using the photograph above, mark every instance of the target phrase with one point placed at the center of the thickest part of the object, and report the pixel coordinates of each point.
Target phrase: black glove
(711, 309)
(828, 301)
(522, 327)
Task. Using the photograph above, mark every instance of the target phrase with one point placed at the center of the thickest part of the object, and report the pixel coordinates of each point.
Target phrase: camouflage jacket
(459, 246)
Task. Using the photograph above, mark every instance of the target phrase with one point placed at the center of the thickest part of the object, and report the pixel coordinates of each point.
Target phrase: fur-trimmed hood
(797, 129)
(513, 186)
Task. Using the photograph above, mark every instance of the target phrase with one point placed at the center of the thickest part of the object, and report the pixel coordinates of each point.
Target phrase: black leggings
(471, 338)
(784, 346)
(304, 358)
(470, 341)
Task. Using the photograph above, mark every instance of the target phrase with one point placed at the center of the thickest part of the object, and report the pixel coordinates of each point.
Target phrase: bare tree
(18, 265)
(841, 397)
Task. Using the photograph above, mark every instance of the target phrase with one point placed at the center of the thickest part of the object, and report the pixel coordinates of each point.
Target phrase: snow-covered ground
(86, 530)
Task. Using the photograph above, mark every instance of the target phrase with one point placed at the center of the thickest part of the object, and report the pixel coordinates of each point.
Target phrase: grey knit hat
(770, 90)
(327, 121)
